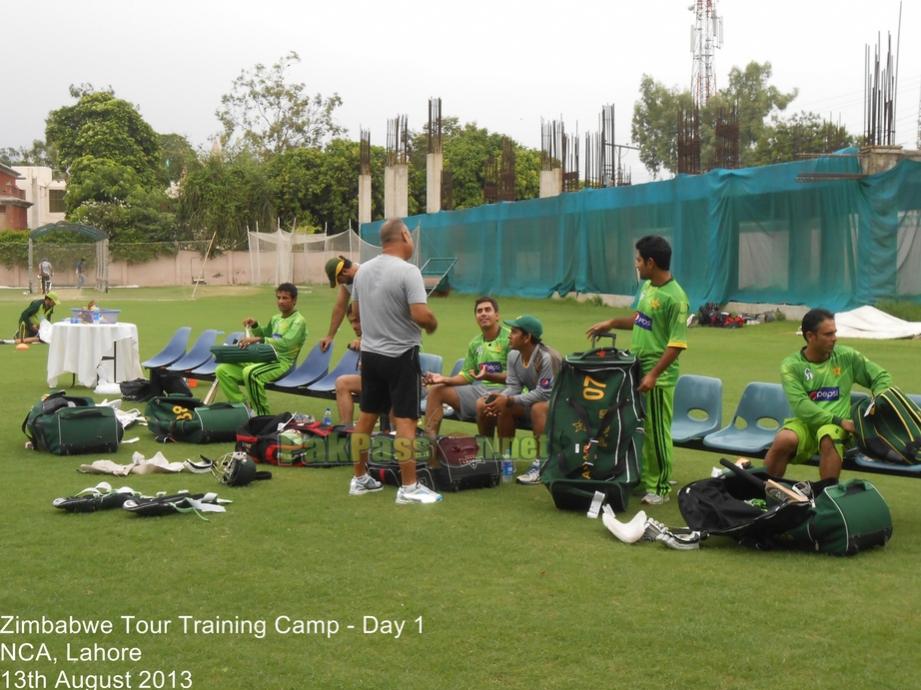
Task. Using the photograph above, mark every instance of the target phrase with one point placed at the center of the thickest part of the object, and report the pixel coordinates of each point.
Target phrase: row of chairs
(697, 422)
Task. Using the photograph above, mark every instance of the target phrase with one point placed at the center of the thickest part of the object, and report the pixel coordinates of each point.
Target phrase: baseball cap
(334, 268)
(529, 324)
(53, 296)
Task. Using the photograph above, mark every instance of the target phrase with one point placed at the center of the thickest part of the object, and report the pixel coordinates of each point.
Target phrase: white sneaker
(418, 494)
(652, 499)
(532, 476)
(364, 485)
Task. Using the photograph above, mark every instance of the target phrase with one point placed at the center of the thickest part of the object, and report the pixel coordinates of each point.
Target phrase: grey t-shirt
(384, 288)
(537, 377)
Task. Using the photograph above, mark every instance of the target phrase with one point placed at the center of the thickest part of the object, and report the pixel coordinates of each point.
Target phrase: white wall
(37, 184)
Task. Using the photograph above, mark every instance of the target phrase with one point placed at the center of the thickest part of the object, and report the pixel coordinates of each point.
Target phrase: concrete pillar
(364, 199)
(551, 182)
(877, 159)
(396, 191)
(433, 166)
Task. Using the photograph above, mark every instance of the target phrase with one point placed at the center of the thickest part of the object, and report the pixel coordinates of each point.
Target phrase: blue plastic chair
(206, 371)
(327, 385)
(312, 369)
(759, 415)
(199, 354)
(430, 364)
(458, 365)
(174, 349)
(916, 398)
(698, 408)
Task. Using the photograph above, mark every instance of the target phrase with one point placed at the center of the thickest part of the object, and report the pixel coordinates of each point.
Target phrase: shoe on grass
(417, 494)
(364, 485)
(532, 476)
(652, 499)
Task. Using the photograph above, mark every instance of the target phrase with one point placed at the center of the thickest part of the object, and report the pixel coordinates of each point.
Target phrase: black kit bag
(594, 429)
(189, 420)
(464, 462)
(70, 425)
(284, 440)
(384, 466)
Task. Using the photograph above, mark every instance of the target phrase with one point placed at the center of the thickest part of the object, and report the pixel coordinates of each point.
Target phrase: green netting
(750, 235)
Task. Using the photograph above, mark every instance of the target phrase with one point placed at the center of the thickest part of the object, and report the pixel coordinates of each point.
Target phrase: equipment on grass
(594, 429)
(70, 425)
(184, 418)
(93, 498)
(236, 469)
(888, 427)
(461, 463)
(182, 502)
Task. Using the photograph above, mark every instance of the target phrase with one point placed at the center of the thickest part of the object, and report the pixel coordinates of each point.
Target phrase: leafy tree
(227, 198)
(103, 126)
(748, 92)
(176, 157)
(271, 115)
(38, 154)
(803, 132)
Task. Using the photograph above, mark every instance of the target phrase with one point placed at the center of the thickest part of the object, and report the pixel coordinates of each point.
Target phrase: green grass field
(495, 588)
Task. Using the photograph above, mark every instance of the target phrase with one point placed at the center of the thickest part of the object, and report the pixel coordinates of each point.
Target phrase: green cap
(334, 268)
(529, 324)
(53, 296)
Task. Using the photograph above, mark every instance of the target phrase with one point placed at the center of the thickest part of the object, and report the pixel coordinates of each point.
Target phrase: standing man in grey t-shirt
(390, 297)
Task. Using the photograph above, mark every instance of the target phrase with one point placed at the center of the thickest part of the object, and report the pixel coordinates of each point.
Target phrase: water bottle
(327, 417)
(96, 316)
(508, 469)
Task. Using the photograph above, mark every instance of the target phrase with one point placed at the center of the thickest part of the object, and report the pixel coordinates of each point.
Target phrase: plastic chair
(430, 364)
(174, 349)
(313, 368)
(199, 354)
(458, 365)
(757, 418)
(698, 408)
(206, 370)
(327, 385)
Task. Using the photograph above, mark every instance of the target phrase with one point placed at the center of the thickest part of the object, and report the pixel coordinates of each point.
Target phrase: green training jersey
(820, 394)
(286, 335)
(492, 354)
(660, 322)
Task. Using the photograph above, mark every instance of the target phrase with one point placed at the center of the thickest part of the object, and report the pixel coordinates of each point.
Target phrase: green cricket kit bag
(889, 427)
(186, 419)
(594, 429)
(745, 505)
(70, 425)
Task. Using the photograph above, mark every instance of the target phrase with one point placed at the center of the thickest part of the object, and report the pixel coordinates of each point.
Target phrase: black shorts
(391, 382)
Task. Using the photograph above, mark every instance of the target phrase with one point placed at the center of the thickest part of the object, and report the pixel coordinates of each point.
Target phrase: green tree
(37, 154)
(102, 126)
(176, 157)
(801, 133)
(748, 93)
(270, 114)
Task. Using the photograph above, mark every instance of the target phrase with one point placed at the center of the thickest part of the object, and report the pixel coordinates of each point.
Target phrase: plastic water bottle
(508, 469)
(327, 417)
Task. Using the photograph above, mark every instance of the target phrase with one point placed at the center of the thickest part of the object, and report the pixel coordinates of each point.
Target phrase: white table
(107, 351)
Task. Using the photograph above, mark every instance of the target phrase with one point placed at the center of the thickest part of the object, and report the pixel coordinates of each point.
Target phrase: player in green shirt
(33, 315)
(483, 373)
(659, 335)
(286, 333)
(817, 381)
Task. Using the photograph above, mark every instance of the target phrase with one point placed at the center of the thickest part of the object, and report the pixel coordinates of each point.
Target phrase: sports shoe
(532, 476)
(417, 494)
(364, 485)
(652, 499)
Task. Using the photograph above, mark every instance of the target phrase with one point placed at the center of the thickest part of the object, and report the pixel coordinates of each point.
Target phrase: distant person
(80, 270)
(31, 318)
(530, 371)
(390, 297)
(341, 272)
(482, 373)
(817, 381)
(659, 336)
(45, 274)
(286, 332)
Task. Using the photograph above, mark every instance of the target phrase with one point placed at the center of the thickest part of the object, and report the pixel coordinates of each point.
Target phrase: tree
(38, 154)
(271, 115)
(748, 93)
(176, 157)
(802, 133)
(103, 126)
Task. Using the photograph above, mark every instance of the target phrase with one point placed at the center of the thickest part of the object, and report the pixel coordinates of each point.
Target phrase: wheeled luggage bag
(72, 425)
(462, 462)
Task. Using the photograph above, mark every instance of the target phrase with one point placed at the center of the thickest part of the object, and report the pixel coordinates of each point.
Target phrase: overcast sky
(504, 64)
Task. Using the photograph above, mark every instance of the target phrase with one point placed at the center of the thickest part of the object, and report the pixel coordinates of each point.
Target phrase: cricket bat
(211, 394)
(772, 489)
